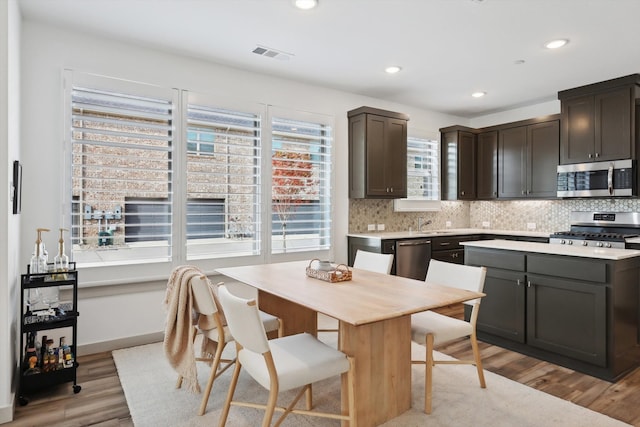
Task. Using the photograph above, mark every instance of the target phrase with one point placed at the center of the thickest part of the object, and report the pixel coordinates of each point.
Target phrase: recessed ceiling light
(305, 4)
(554, 44)
(392, 69)
(478, 94)
(519, 61)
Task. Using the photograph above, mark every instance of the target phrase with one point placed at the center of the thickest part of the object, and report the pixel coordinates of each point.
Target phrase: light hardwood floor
(101, 401)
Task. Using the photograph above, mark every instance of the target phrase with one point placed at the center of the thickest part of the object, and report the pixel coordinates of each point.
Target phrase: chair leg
(212, 376)
(309, 397)
(232, 389)
(428, 372)
(271, 405)
(478, 360)
(351, 391)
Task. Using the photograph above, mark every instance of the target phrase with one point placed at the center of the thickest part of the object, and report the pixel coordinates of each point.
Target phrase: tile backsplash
(547, 215)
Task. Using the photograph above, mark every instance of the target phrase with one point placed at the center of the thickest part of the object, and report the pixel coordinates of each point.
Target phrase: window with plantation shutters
(300, 188)
(422, 169)
(223, 182)
(121, 176)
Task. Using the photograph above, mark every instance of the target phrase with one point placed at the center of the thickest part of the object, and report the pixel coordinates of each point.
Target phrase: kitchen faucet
(420, 224)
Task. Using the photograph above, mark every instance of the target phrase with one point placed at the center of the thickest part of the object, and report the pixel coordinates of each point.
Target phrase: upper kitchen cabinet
(377, 154)
(528, 160)
(599, 121)
(487, 165)
(458, 159)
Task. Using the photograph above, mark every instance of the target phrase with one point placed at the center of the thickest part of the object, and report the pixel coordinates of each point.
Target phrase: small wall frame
(17, 187)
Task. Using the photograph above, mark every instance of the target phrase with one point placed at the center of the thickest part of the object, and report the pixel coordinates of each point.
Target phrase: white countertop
(446, 232)
(545, 248)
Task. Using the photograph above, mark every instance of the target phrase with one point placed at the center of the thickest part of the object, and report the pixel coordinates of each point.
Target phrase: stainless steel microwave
(597, 179)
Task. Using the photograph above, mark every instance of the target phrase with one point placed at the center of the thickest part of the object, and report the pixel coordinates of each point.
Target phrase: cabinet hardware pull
(518, 282)
(445, 243)
(528, 283)
(462, 192)
(597, 155)
(590, 155)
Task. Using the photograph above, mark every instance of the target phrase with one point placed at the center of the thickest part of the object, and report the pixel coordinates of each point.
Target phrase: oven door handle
(610, 179)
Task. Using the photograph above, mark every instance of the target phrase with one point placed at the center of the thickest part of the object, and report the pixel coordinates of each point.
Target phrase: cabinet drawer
(568, 267)
(450, 242)
(507, 260)
(455, 256)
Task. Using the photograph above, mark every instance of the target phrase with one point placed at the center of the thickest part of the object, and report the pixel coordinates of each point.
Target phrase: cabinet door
(466, 166)
(395, 156)
(613, 118)
(511, 159)
(568, 317)
(487, 170)
(543, 150)
(502, 311)
(386, 157)
(375, 154)
(577, 139)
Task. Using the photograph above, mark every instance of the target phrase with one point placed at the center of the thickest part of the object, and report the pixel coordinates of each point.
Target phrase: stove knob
(570, 242)
(585, 243)
(599, 244)
(562, 242)
(607, 245)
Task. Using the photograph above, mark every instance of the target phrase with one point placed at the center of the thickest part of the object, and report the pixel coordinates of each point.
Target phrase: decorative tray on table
(323, 270)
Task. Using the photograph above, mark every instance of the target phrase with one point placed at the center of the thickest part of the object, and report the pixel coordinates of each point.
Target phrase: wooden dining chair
(204, 303)
(281, 364)
(430, 328)
(364, 260)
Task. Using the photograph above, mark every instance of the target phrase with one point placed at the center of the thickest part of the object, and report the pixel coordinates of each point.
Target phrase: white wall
(10, 243)
(522, 113)
(106, 314)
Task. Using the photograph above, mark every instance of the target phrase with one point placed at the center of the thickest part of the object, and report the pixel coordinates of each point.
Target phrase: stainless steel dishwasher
(412, 258)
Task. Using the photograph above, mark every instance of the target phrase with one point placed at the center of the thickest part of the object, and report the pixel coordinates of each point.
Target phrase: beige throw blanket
(179, 329)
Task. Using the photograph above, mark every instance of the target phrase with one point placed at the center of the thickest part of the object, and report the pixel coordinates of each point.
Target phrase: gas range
(599, 229)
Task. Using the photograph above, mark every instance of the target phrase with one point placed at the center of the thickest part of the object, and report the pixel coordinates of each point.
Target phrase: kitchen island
(573, 306)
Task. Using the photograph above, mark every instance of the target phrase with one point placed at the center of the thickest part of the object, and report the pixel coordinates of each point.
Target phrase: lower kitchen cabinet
(568, 317)
(504, 313)
(581, 313)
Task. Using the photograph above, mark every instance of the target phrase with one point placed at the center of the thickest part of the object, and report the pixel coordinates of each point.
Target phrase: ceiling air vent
(272, 53)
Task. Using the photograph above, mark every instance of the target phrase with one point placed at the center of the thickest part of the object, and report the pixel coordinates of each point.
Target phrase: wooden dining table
(374, 313)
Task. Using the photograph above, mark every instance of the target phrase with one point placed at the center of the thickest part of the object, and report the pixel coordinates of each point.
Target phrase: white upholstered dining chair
(371, 261)
(204, 303)
(364, 260)
(281, 364)
(429, 328)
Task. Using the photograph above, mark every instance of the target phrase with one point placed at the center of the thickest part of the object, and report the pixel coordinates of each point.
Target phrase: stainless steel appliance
(412, 258)
(597, 179)
(599, 229)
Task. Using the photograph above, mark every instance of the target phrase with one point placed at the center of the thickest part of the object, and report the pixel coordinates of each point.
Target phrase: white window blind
(121, 177)
(223, 182)
(423, 176)
(301, 185)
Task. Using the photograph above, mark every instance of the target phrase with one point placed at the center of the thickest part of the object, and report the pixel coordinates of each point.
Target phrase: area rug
(458, 401)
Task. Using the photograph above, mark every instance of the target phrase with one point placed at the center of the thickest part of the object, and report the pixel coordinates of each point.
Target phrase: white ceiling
(447, 48)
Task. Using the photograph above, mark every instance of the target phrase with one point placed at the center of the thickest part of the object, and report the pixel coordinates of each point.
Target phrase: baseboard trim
(6, 412)
(117, 344)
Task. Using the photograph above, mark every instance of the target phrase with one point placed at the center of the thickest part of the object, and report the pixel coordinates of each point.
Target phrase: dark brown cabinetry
(377, 154)
(528, 160)
(449, 249)
(577, 312)
(458, 159)
(487, 165)
(598, 121)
